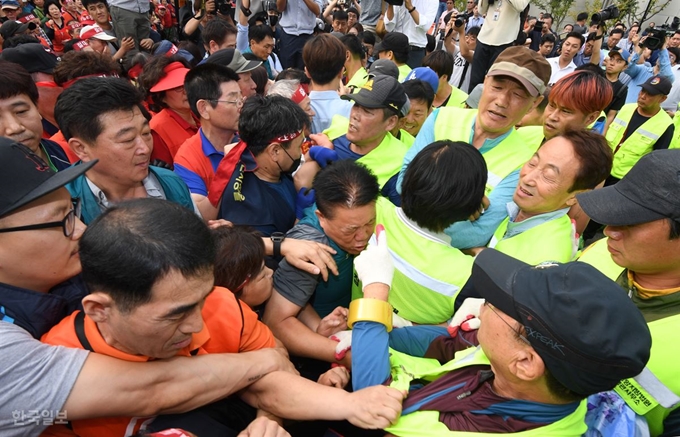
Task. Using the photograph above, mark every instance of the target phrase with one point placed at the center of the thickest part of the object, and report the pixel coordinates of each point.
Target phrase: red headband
(80, 45)
(299, 94)
(287, 137)
(72, 81)
(27, 18)
(135, 71)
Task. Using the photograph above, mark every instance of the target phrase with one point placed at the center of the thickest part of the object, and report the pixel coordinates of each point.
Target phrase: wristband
(370, 310)
(411, 10)
(277, 238)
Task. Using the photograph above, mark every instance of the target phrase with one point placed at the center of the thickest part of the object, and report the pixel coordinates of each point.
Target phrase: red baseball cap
(174, 77)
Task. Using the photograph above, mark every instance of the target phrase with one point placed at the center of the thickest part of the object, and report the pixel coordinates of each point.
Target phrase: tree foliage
(559, 9)
(631, 10)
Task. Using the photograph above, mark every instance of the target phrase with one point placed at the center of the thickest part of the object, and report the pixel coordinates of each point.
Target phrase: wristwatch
(277, 238)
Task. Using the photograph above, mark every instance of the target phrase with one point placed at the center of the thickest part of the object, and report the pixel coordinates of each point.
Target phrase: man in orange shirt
(149, 266)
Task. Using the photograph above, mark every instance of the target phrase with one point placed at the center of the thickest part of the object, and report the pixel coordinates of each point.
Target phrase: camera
(538, 27)
(462, 18)
(606, 14)
(655, 39)
(343, 4)
(223, 7)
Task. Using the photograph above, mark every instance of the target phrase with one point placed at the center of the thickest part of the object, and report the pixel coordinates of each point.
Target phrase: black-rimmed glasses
(68, 224)
(491, 307)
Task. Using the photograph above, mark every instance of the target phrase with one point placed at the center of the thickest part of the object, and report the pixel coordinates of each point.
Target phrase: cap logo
(368, 85)
(532, 333)
(655, 81)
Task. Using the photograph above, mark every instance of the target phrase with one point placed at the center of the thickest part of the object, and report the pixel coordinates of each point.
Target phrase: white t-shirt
(457, 79)
(557, 72)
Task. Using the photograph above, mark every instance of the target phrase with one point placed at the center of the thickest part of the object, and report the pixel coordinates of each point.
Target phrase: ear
(537, 102)
(307, 73)
(274, 151)
(391, 123)
(571, 201)
(98, 306)
(323, 222)
(527, 365)
(592, 117)
(80, 148)
(663, 99)
(348, 56)
(203, 107)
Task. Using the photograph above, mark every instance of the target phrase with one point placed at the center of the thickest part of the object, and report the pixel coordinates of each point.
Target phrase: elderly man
(102, 119)
(642, 254)
(533, 366)
(513, 87)
(538, 227)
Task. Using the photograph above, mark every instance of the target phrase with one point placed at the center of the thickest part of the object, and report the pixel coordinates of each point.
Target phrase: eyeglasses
(238, 289)
(523, 338)
(238, 102)
(68, 224)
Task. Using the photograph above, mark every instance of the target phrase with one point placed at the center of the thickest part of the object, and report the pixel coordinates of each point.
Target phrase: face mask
(294, 166)
(273, 19)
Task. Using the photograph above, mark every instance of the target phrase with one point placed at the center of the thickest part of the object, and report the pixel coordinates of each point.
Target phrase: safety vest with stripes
(638, 143)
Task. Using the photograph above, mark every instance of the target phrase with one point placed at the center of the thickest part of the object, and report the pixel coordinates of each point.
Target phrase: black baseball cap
(381, 92)
(32, 56)
(394, 41)
(25, 177)
(583, 325)
(649, 191)
(656, 85)
(233, 59)
(11, 28)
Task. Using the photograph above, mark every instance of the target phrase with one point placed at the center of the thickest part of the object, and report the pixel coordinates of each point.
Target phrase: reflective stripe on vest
(638, 143)
(455, 124)
(429, 273)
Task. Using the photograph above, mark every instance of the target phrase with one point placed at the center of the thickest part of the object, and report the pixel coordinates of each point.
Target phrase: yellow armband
(370, 310)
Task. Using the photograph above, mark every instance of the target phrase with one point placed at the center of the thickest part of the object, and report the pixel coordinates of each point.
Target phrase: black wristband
(411, 10)
(277, 238)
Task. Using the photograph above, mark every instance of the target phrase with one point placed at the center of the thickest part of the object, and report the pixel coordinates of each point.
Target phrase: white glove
(344, 339)
(467, 316)
(400, 322)
(375, 263)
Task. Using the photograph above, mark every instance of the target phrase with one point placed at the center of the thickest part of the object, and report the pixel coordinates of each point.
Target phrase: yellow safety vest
(554, 240)
(455, 124)
(426, 423)
(638, 143)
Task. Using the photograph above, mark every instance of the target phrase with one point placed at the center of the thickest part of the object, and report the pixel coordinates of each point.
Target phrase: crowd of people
(312, 218)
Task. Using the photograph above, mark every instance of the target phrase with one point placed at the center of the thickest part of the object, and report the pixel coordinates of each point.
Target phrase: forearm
(281, 5)
(309, 317)
(161, 387)
(305, 176)
(191, 26)
(313, 7)
(301, 341)
(292, 397)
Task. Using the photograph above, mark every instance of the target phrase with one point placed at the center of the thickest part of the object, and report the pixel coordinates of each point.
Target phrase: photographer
(193, 18)
(298, 20)
(413, 18)
(543, 27)
(499, 32)
(638, 71)
(341, 5)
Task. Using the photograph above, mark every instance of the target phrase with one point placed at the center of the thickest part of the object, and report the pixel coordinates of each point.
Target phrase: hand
(336, 377)
(375, 263)
(467, 316)
(322, 140)
(375, 407)
(485, 204)
(264, 427)
(210, 6)
(400, 322)
(473, 251)
(126, 44)
(334, 322)
(344, 339)
(305, 198)
(214, 224)
(323, 155)
(146, 43)
(309, 256)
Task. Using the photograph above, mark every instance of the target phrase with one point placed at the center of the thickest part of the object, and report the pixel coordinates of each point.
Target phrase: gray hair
(285, 88)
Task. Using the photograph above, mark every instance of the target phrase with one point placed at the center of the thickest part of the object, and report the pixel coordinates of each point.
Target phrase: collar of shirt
(324, 95)
(437, 237)
(151, 185)
(489, 143)
(208, 148)
(531, 222)
(182, 122)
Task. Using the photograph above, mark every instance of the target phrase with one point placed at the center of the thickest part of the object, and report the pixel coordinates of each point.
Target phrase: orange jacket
(230, 327)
